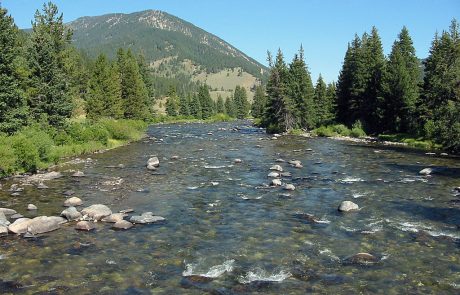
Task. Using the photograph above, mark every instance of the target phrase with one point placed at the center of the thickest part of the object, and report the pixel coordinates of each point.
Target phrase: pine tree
(207, 109)
(195, 107)
(240, 100)
(184, 109)
(172, 107)
(147, 77)
(322, 108)
(301, 93)
(104, 91)
(259, 102)
(77, 70)
(50, 98)
(331, 103)
(401, 85)
(220, 107)
(280, 112)
(13, 105)
(230, 107)
(133, 90)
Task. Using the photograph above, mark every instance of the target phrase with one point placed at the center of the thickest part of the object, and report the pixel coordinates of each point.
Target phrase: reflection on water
(229, 232)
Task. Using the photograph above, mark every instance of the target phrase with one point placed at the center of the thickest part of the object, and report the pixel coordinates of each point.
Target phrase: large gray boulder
(97, 211)
(19, 226)
(3, 220)
(153, 163)
(146, 217)
(3, 230)
(347, 206)
(71, 213)
(7, 211)
(72, 202)
(44, 224)
(85, 226)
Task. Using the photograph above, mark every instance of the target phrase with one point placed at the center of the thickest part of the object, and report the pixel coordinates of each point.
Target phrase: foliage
(259, 103)
(207, 105)
(240, 100)
(357, 130)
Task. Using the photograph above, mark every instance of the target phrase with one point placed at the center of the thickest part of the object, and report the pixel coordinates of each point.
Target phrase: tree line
(382, 94)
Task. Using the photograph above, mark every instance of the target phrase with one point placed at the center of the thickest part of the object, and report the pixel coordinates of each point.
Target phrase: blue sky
(324, 27)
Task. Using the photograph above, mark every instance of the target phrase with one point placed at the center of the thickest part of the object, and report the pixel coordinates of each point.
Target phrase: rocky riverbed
(226, 209)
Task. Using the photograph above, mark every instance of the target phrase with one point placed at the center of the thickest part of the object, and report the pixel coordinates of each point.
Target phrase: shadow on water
(449, 216)
(416, 168)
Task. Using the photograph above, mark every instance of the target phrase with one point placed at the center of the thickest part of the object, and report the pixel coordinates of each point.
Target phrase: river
(228, 233)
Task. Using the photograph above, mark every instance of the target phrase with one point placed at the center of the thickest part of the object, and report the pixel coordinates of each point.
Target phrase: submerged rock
(114, 217)
(44, 176)
(72, 202)
(145, 218)
(78, 174)
(122, 224)
(276, 182)
(286, 174)
(347, 206)
(71, 213)
(361, 259)
(273, 174)
(41, 185)
(276, 168)
(85, 226)
(31, 207)
(97, 211)
(44, 224)
(153, 163)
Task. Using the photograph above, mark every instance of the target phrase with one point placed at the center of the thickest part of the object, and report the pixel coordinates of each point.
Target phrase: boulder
(71, 213)
(44, 176)
(273, 174)
(78, 174)
(237, 161)
(16, 216)
(295, 162)
(7, 211)
(153, 163)
(426, 171)
(3, 230)
(361, 258)
(146, 217)
(276, 168)
(114, 217)
(289, 187)
(276, 182)
(72, 202)
(347, 206)
(122, 224)
(44, 224)
(31, 207)
(3, 220)
(19, 226)
(85, 226)
(97, 211)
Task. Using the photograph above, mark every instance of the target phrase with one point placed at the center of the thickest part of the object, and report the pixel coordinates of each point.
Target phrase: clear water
(239, 237)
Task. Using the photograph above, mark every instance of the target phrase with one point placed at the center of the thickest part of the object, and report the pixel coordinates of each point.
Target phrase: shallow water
(226, 233)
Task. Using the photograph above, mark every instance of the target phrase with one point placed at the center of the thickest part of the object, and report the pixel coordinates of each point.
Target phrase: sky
(323, 27)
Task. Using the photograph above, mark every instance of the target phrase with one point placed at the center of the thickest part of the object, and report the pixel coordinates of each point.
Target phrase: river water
(227, 233)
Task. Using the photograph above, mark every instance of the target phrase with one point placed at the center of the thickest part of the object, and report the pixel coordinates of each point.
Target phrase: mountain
(171, 45)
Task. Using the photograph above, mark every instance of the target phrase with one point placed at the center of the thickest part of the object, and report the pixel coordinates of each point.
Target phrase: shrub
(324, 131)
(357, 130)
(341, 130)
(27, 155)
(8, 158)
(41, 140)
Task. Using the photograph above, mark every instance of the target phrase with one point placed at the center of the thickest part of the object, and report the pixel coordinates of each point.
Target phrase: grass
(419, 143)
(37, 147)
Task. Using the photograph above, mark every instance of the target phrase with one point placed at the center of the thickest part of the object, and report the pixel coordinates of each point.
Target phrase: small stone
(285, 174)
(426, 171)
(72, 202)
(361, 258)
(69, 193)
(295, 162)
(3, 220)
(145, 218)
(276, 168)
(444, 154)
(276, 182)
(44, 224)
(153, 163)
(78, 174)
(71, 213)
(175, 158)
(347, 206)
(273, 174)
(114, 217)
(214, 183)
(237, 161)
(16, 216)
(31, 207)
(41, 185)
(298, 166)
(279, 161)
(289, 187)
(97, 211)
(85, 226)
(129, 210)
(122, 224)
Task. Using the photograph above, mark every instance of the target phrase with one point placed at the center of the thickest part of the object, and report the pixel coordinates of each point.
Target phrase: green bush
(341, 130)
(324, 131)
(41, 140)
(27, 155)
(8, 158)
(357, 130)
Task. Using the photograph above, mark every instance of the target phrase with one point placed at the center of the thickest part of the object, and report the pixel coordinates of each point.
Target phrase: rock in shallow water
(122, 224)
(276, 168)
(97, 211)
(31, 207)
(71, 213)
(44, 224)
(153, 163)
(361, 259)
(145, 218)
(78, 174)
(289, 187)
(114, 217)
(276, 182)
(347, 206)
(72, 202)
(3, 220)
(7, 211)
(19, 226)
(3, 230)
(85, 226)
(426, 171)
(273, 174)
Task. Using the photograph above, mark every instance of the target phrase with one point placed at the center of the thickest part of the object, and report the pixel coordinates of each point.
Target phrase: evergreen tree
(50, 98)
(207, 109)
(230, 107)
(322, 108)
(240, 100)
(331, 103)
(13, 105)
(195, 107)
(280, 112)
(401, 85)
(301, 92)
(259, 102)
(184, 103)
(104, 91)
(220, 107)
(171, 103)
(77, 70)
(147, 77)
(133, 90)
